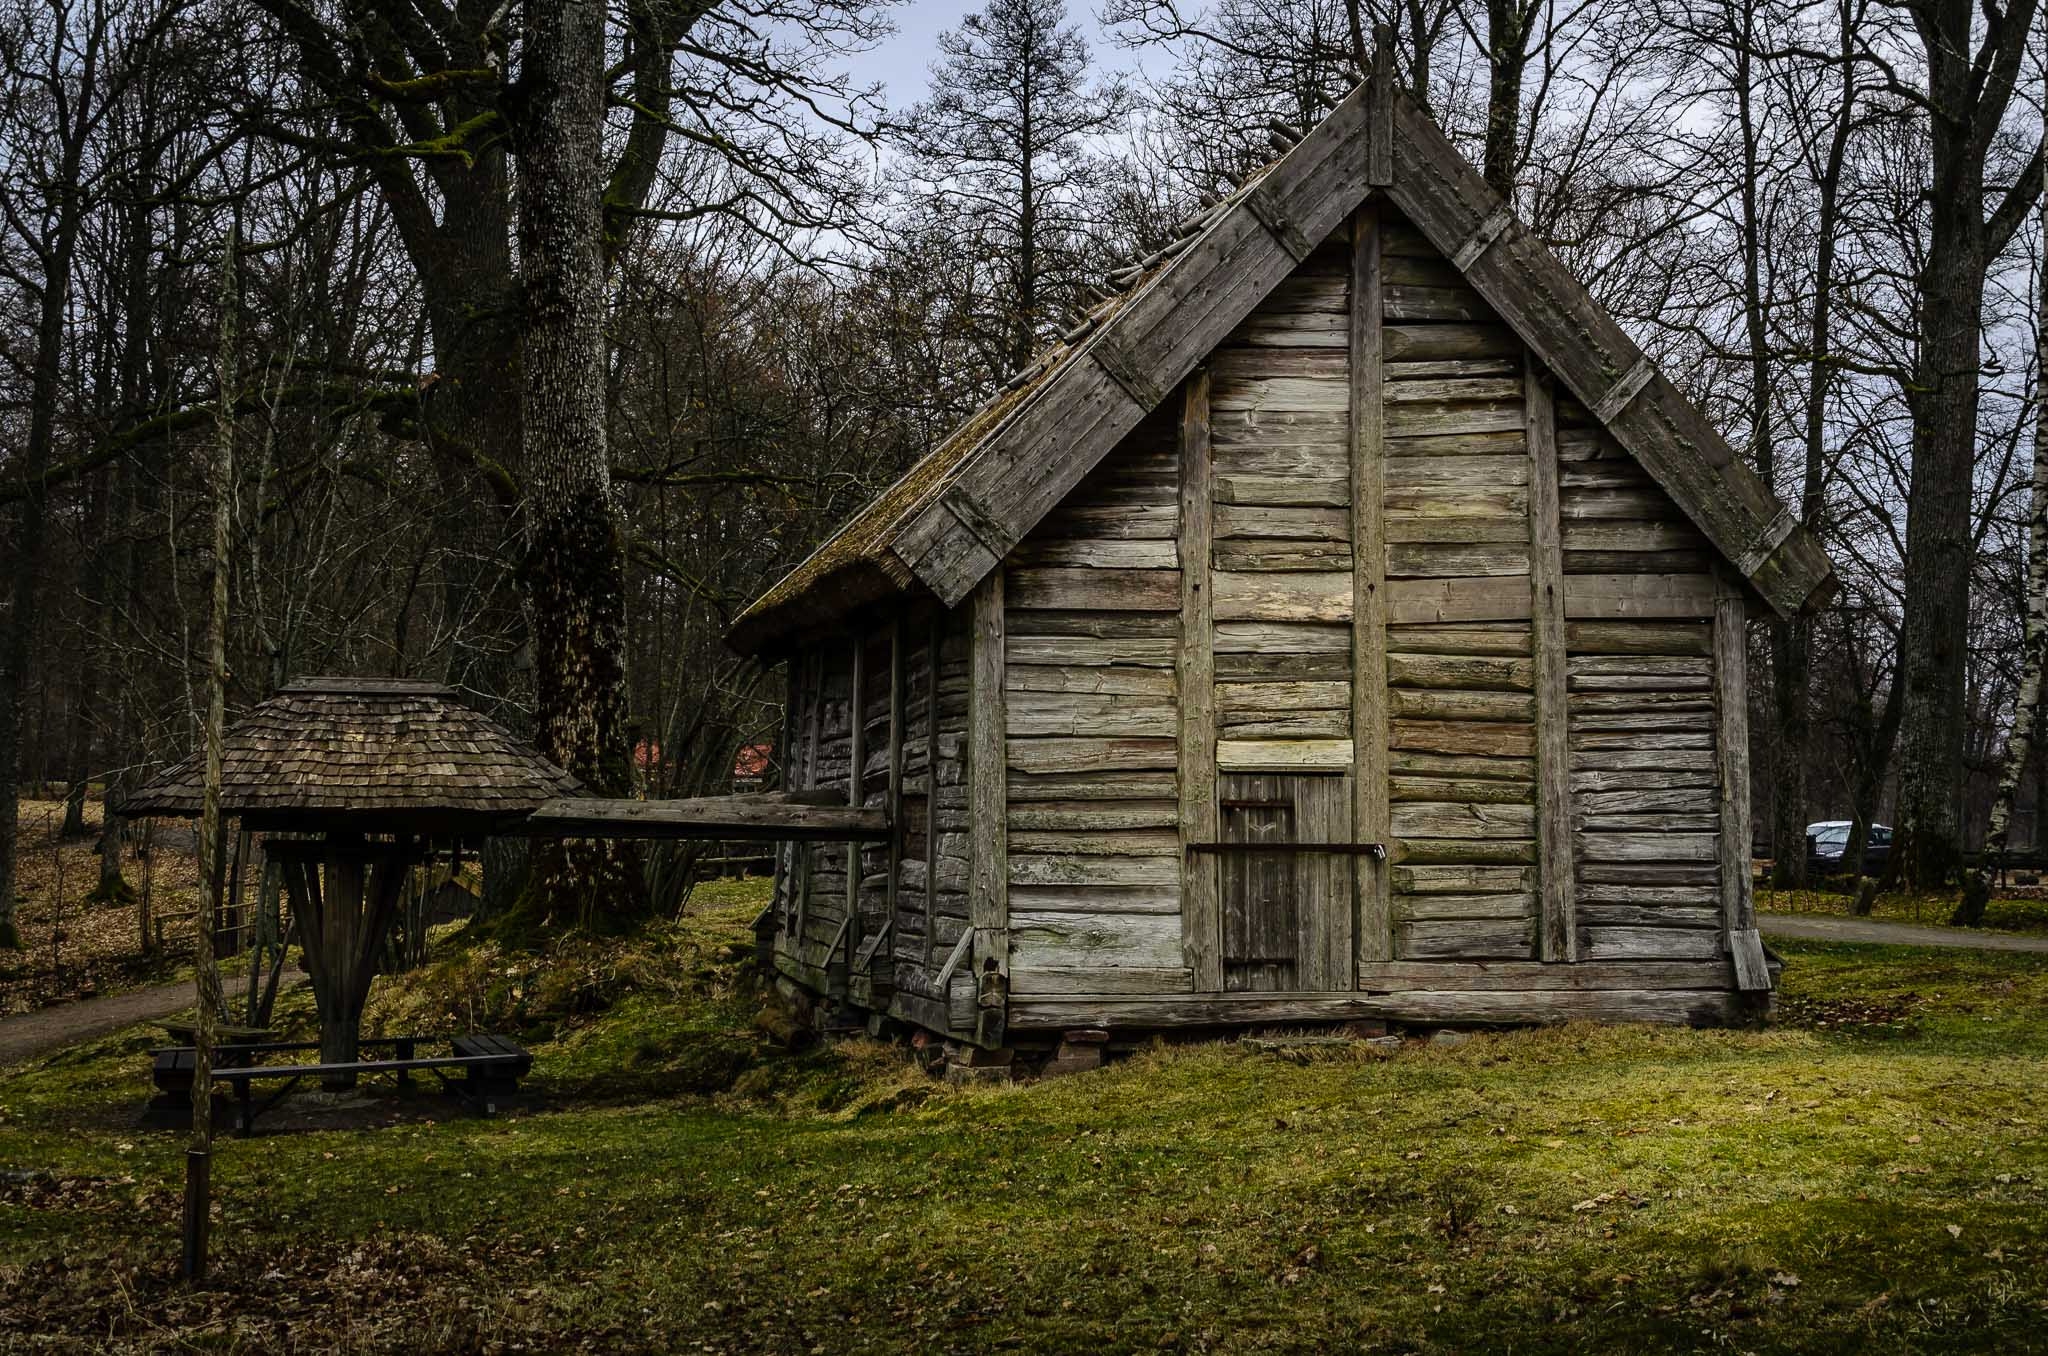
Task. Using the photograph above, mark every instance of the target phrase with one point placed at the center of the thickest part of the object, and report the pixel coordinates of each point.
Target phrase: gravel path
(1824, 927)
(34, 1033)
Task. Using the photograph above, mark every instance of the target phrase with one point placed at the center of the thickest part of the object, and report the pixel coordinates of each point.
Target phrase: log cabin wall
(1091, 633)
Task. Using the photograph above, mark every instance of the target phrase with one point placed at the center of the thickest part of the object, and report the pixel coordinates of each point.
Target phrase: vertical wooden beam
(813, 746)
(988, 877)
(1369, 813)
(933, 643)
(1379, 127)
(1731, 703)
(856, 787)
(1201, 891)
(1557, 887)
(897, 701)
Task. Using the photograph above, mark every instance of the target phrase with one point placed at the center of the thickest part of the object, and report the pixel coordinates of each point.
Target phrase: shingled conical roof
(366, 753)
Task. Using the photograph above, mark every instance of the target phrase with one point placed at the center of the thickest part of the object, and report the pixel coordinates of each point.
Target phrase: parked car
(1828, 842)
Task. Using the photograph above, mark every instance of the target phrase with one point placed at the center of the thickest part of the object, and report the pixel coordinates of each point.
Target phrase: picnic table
(480, 1070)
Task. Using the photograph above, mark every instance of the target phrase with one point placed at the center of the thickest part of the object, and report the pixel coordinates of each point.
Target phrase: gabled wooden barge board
(1339, 519)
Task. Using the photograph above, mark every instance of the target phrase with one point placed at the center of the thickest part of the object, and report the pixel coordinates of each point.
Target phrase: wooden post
(1731, 703)
(1369, 811)
(897, 702)
(856, 791)
(934, 642)
(1201, 900)
(988, 887)
(1557, 887)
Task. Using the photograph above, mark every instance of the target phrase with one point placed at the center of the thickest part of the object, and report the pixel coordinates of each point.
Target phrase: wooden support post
(1379, 127)
(897, 701)
(1201, 896)
(813, 740)
(988, 886)
(934, 643)
(1557, 889)
(856, 789)
(1731, 703)
(1369, 810)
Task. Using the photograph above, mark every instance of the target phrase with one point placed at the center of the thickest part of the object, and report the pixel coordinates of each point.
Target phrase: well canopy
(371, 754)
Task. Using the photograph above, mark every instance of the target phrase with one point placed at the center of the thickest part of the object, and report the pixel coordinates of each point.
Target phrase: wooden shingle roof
(391, 753)
(954, 517)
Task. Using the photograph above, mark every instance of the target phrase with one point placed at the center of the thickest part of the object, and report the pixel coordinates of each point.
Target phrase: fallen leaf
(1955, 1231)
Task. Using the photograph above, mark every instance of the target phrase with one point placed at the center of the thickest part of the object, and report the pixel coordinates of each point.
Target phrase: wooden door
(1287, 917)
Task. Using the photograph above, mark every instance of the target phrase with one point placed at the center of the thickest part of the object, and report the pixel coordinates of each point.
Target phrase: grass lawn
(1872, 1174)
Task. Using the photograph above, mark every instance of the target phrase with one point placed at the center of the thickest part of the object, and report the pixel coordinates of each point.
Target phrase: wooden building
(1344, 620)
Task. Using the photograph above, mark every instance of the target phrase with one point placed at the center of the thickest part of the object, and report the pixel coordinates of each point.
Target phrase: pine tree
(1006, 143)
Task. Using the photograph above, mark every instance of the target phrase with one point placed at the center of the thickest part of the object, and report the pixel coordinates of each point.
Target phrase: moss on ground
(1868, 1174)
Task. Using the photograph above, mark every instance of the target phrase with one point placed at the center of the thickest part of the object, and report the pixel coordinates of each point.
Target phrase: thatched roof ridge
(393, 752)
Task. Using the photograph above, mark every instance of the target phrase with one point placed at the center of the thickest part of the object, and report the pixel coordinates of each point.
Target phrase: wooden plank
(1094, 554)
(1454, 704)
(1471, 792)
(1492, 739)
(1639, 943)
(1087, 897)
(1424, 343)
(1065, 869)
(1649, 638)
(1042, 816)
(1537, 977)
(1110, 785)
(1089, 755)
(1281, 696)
(989, 867)
(1557, 935)
(1048, 941)
(1196, 742)
(1282, 524)
(1146, 651)
(1462, 879)
(1095, 589)
(1731, 692)
(1325, 958)
(738, 818)
(934, 644)
(1450, 819)
(1089, 714)
(1464, 937)
(1283, 755)
(1252, 556)
(1453, 559)
(1122, 980)
(1443, 908)
(1463, 638)
(1455, 672)
(1651, 847)
(1288, 597)
(899, 701)
(1273, 638)
(1426, 601)
(1122, 681)
(856, 791)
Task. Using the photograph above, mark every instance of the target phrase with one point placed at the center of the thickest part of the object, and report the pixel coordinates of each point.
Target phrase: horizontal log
(1290, 597)
(1670, 1006)
(1637, 596)
(1439, 560)
(1030, 981)
(1114, 783)
(1252, 555)
(1464, 937)
(1424, 762)
(1066, 869)
(1088, 553)
(1648, 847)
(1428, 601)
(1283, 755)
(1537, 977)
(1440, 704)
(1462, 879)
(1050, 815)
(1480, 672)
(1463, 851)
(1637, 943)
(1255, 637)
(1091, 714)
(1492, 739)
(1447, 819)
(1241, 666)
(1421, 908)
(1466, 638)
(1090, 755)
(1452, 789)
(1089, 679)
(1095, 899)
(1050, 941)
(1283, 524)
(1094, 589)
(1232, 698)
(1097, 842)
(1147, 651)
(737, 818)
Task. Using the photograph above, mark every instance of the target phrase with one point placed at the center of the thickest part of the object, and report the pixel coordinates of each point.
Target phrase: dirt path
(1823, 927)
(34, 1033)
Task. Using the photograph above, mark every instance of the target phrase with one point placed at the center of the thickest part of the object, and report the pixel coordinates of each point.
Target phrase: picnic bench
(481, 1071)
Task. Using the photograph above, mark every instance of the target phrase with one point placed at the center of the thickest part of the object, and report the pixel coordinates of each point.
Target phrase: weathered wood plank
(1649, 847)
(1282, 524)
(1638, 596)
(1094, 815)
(1056, 941)
(1252, 556)
(1493, 739)
(1093, 554)
(1460, 704)
(1455, 559)
(1674, 1006)
(1453, 789)
(1095, 589)
(1288, 597)
(1462, 879)
(1196, 737)
(1114, 783)
(989, 864)
(1090, 755)
(1457, 851)
(1445, 819)
(1424, 762)
(1094, 679)
(1537, 977)
(1249, 698)
(1028, 981)
(1731, 691)
(1426, 601)
(1073, 869)
(1283, 755)
(1247, 637)
(1464, 937)
(1640, 943)
(738, 818)
(1444, 908)
(1557, 935)
(1114, 715)
(1147, 651)
(1406, 669)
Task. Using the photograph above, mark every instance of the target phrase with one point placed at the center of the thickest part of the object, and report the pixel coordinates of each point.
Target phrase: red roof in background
(752, 760)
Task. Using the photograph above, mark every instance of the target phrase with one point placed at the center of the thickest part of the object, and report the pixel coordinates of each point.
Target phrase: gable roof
(950, 521)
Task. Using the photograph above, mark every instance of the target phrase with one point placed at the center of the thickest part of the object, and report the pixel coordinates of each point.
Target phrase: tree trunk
(575, 561)
(1508, 25)
(2034, 647)
(1968, 92)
